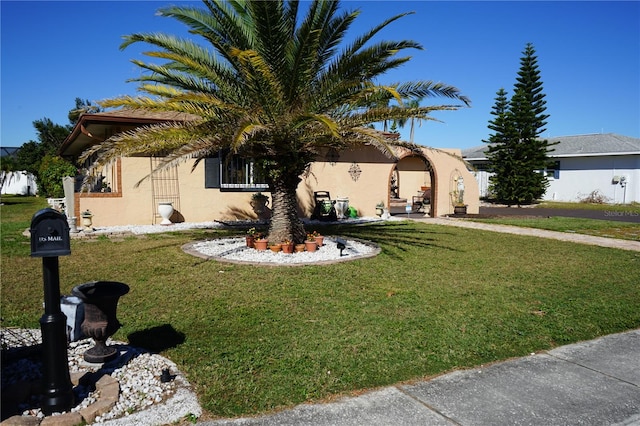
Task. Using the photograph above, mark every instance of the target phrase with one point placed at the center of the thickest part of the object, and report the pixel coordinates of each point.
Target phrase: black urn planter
(100, 300)
(460, 210)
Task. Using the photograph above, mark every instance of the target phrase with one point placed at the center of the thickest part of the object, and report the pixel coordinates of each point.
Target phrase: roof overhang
(92, 128)
(591, 154)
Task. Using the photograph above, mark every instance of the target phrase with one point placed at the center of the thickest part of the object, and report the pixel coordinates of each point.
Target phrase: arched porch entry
(412, 182)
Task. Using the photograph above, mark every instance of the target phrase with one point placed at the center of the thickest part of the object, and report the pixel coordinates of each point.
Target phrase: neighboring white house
(607, 163)
(19, 183)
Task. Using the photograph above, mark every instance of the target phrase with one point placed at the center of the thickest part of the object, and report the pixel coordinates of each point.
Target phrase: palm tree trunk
(285, 223)
(411, 133)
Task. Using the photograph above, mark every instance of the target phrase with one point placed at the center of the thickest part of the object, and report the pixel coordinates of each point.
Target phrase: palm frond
(261, 82)
(151, 139)
(195, 150)
(431, 89)
(245, 130)
(365, 38)
(330, 126)
(166, 75)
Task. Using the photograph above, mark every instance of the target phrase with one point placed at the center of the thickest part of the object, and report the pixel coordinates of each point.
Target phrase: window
(481, 166)
(107, 180)
(232, 172)
(553, 170)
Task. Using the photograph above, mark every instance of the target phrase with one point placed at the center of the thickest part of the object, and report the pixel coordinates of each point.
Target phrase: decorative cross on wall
(355, 171)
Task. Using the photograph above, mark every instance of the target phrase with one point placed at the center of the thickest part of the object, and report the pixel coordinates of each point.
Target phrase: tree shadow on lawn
(157, 339)
(398, 236)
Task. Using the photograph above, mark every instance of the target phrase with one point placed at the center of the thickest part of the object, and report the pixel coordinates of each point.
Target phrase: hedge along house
(580, 165)
(221, 187)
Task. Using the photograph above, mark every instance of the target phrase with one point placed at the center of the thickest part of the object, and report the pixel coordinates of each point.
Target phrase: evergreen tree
(516, 153)
(82, 107)
(529, 82)
(501, 148)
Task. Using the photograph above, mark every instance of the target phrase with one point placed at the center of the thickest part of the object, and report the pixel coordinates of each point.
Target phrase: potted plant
(299, 248)
(318, 237)
(260, 242)
(251, 236)
(287, 246)
(380, 208)
(275, 247)
(310, 243)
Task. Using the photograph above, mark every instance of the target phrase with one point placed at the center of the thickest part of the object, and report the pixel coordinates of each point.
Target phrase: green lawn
(622, 208)
(600, 228)
(253, 339)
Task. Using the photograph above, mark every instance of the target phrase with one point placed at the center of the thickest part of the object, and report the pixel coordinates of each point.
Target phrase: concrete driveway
(487, 211)
(633, 216)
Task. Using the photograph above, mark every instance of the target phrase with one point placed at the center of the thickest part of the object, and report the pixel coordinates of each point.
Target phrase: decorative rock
(94, 410)
(66, 419)
(21, 421)
(235, 250)
(105, 382)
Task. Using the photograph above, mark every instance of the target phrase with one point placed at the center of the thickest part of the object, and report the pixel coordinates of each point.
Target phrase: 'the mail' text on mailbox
(50, 234)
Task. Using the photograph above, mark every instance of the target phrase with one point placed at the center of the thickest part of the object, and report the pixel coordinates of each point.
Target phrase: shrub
(595, 197)
(52, 170)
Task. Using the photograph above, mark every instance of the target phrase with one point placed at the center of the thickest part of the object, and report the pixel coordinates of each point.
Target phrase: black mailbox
(50, 234)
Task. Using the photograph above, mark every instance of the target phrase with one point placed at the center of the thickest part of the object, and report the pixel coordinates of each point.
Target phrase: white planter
(87, 221)
(73, 224)
(342, 205)
(165, 210)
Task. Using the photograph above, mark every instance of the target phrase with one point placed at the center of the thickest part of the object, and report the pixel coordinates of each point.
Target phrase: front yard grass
(254, 339)
(632, 208)
(596, 227)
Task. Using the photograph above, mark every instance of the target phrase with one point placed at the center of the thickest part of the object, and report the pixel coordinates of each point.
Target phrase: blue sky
(588, 55)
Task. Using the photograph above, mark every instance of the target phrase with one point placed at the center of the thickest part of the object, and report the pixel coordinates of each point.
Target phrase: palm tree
(269, 87)
(413, 103)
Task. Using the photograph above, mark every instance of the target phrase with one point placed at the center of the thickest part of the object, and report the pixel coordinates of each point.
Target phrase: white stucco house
(607, 163)
(18, 182)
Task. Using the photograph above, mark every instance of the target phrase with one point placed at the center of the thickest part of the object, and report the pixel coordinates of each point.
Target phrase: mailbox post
(50, 239)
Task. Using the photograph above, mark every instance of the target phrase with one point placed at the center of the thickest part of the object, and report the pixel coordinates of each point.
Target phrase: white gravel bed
(137, 372)
(235, 249)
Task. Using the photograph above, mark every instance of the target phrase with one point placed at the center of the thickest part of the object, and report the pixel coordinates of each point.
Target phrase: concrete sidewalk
(589, 383)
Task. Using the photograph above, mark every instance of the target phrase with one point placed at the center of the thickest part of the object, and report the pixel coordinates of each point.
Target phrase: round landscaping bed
(235, 250)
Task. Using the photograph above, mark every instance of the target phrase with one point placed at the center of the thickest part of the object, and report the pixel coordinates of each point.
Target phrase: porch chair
(421, 200)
